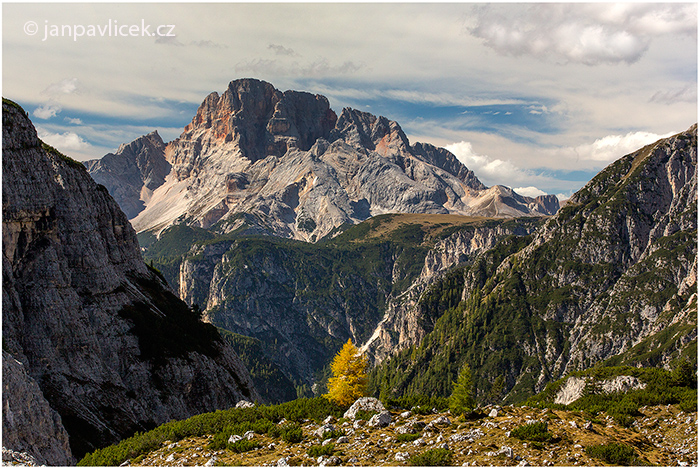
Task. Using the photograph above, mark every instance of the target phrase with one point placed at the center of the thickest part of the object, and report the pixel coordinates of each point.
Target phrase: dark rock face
(133, 172)
(29, 424)
(443, 159)
(110, 346)
(547, 204)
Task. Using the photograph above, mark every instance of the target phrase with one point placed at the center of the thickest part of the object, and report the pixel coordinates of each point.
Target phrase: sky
(537, 97)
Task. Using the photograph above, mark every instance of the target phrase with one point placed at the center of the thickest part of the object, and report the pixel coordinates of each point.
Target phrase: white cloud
(611, 147)
(67, 141)
(65, 86)
(490, 169)
(530, 191)
(580, 33)
(47, 111)
(74, 121)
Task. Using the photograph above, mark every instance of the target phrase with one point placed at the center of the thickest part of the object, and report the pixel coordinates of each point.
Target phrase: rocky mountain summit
(95, 344)
(284, 163)
(133, 172)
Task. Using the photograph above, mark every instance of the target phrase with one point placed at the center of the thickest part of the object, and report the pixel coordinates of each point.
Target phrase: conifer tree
(462, 398)
(349, 380)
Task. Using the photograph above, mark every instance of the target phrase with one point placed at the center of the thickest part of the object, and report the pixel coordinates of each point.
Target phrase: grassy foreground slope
(586, 432)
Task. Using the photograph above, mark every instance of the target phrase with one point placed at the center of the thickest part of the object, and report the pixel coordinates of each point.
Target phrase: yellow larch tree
(349, 380)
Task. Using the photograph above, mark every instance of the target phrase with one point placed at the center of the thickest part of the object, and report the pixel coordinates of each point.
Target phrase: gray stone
(379, 420)
(323, 429)
(367, 404)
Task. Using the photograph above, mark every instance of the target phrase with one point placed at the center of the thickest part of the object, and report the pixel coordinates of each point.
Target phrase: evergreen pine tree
(462, 398)
(349, 380)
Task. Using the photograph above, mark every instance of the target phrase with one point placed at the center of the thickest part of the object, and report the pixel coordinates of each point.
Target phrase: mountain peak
(262, 120)
(306, 170)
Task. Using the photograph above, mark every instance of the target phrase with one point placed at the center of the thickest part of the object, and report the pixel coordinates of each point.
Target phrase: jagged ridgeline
(95, 344)
(611, 278)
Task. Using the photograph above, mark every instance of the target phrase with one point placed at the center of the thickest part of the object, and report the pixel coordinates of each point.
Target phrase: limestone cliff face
(111, 348)
(283, 163)
(133, 172)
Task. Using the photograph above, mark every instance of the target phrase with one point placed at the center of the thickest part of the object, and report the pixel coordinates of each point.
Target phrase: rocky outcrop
(29, 424)
(574, 387)
(283, 163)
(133, 172)
(111, 348)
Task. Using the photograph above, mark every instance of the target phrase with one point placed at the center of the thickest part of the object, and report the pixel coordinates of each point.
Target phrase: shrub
(242, 446)
(432, 457)
(532, 432)
(616, 454)
(333, 434)
(419, 403)
(315, 451)
(290, 432)
(406, 437)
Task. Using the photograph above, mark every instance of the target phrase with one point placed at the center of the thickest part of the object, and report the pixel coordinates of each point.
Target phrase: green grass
(616, 454)
(315, 451)
(432, 457)
(214, 423)
(407, 437)
(532, 432)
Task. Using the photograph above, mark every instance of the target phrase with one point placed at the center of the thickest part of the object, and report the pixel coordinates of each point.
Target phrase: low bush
(432, 457)
(292, 434)
(242, 446)
(406, 437)
(419, 403)
(616, 454)
(315, 451)
(536, 431)
(333, 434)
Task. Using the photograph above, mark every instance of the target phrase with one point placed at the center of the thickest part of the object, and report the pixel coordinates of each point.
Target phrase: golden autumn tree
(349, 380)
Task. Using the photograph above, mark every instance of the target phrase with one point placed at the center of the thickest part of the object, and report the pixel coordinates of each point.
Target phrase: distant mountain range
(265, 161)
